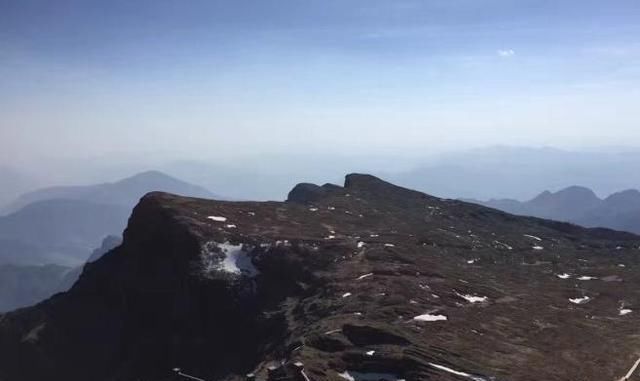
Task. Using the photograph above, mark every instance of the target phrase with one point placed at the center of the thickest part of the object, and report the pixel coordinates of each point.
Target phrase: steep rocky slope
(363, 282)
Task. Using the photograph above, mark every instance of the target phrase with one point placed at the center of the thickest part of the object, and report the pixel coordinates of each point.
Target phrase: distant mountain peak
(125, 192)
(625, 195)
(574, 191)
(148, 175)
(580, 205)
(577, 189)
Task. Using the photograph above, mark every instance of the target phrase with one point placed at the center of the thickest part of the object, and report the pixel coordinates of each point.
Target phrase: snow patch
(370, 353)
(217, 218)
(472, 298)
(456, 372)
(625, 311)
(236, 260)
(585, 277)
(538, 248)
(359, 376)
(508, 247)
(582, 300)
(346, 295)
(533, 237)
(430, 317)
(361, 277)
(389, 245)
(563, 276)
(360, 244)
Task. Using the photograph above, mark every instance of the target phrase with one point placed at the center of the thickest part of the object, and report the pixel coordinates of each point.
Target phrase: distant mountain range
(124, 193)
(521, 172)
(484, 173)
(579, 205)
(62, 225)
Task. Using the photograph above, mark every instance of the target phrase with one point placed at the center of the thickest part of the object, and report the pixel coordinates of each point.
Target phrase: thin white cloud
(506, 53)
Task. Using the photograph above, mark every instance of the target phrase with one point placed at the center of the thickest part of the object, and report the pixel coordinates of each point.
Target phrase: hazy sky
(208, 78)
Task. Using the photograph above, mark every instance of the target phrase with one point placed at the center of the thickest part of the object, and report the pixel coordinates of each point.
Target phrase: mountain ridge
(364, 279)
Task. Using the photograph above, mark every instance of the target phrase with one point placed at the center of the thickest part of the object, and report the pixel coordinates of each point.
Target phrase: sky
(194, 79)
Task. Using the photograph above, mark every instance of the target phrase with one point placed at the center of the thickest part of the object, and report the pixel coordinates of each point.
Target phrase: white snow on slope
(508, 247)
(361, 277)
(582, 300)
(533, 237)
(456, 372)
(563, 276)
(346, 376)
(430, 317)
(585, 277)
(217, 218)
(359, 376)
(472, 298)
(236, 261)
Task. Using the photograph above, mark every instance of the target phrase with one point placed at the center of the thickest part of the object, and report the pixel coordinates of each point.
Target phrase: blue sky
(221, 78)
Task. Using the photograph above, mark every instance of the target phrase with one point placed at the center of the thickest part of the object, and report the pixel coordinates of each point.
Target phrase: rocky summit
(368, 281)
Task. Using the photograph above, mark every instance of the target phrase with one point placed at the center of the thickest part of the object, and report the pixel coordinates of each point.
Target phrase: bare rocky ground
(363, 282)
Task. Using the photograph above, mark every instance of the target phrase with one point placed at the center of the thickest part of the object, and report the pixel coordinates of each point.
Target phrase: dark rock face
(367, 280)
(305, 192)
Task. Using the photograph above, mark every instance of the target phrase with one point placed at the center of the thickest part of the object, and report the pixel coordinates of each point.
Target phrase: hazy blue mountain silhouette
(62, 225)
(125, 192)
(580, 205)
